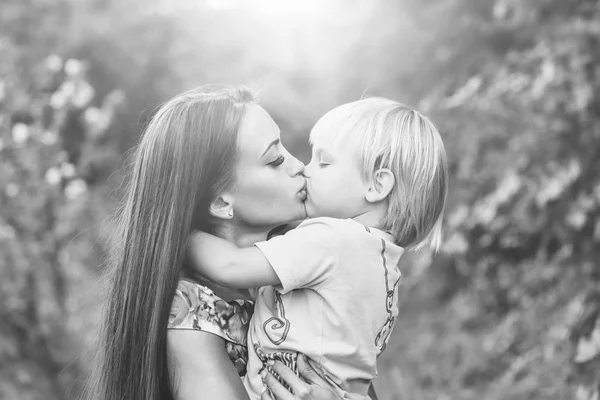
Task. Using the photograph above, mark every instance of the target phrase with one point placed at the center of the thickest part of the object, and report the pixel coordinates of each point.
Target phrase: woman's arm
(199, 367)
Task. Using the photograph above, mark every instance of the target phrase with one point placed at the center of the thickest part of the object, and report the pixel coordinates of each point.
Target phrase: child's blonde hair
(387, 134)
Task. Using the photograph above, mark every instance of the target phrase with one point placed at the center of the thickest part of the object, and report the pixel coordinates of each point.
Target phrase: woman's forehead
(257, 132)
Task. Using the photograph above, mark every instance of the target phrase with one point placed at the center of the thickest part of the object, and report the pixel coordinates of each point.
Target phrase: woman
(210, 159)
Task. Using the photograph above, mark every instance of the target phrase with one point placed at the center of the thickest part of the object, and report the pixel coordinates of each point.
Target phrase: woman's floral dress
(196, 307)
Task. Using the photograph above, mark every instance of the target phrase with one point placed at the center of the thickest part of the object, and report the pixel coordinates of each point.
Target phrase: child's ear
(221, 207)
(381, 185)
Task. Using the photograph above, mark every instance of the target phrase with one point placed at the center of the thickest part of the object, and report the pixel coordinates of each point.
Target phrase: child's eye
(323, 164)
(278, 161)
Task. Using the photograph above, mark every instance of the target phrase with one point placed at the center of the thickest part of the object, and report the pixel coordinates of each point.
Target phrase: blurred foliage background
(510, 309)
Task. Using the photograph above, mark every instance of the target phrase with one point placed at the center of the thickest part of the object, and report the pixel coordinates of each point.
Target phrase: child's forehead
(325, 143)
(332, 132)
(329, 147)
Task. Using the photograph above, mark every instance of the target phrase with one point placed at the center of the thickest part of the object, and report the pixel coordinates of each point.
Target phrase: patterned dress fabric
(196, 307)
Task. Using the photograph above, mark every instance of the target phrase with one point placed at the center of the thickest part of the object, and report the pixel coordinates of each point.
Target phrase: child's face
(335, 185)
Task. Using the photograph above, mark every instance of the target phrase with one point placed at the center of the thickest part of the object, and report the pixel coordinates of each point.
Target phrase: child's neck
(373, 216)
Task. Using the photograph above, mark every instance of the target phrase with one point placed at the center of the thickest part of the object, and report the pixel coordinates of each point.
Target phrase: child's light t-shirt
(337, 303)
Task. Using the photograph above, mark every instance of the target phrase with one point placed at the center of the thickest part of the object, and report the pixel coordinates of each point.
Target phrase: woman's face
(270, 188)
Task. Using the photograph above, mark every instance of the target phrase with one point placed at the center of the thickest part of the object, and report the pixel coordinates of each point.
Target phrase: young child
(376, 185)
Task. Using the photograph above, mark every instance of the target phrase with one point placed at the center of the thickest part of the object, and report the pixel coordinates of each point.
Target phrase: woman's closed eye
(277, 162)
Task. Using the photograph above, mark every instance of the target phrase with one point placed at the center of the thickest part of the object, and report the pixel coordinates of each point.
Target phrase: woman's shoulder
(197, 307)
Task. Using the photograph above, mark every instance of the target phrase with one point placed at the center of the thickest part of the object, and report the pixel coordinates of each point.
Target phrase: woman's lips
(302, 192)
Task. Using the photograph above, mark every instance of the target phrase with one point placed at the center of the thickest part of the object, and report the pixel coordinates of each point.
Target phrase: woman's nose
(307, 170)
(296, 166)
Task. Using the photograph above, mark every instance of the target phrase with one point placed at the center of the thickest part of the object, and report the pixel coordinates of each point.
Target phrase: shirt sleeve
(304, 257)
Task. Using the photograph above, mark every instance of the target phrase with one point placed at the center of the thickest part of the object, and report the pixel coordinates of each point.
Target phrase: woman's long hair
(185, 158)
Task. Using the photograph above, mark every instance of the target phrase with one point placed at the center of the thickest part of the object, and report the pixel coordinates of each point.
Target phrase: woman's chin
(299, 212)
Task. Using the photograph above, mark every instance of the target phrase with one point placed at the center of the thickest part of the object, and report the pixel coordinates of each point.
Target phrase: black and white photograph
(299, 200)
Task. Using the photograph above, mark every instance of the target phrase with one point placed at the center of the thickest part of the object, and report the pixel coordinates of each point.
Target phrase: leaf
(589, 348)
(584, 393)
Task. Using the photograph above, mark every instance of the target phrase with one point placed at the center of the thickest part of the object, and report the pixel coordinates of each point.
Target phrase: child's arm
(285, 228)
(224, 263)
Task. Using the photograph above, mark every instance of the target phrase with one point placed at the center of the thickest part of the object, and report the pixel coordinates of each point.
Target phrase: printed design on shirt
(384, 334)
(277, 328)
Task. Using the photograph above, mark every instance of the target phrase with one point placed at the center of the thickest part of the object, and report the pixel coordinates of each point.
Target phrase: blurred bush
(509, 310)
(53, 149)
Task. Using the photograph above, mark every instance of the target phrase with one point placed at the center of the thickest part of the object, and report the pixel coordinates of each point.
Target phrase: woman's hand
(313, 387)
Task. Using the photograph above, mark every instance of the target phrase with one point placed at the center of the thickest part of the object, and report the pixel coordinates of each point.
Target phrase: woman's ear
(222, 207)
(381, 185)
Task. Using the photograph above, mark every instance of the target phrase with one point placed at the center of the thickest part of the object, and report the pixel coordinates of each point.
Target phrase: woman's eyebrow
(273, 143)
